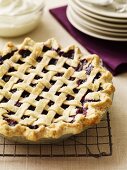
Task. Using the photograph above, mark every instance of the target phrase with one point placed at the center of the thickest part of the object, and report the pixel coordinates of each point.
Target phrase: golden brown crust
(96, 102)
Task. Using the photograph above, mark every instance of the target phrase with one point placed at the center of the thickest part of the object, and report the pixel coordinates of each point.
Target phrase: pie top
(47, 91)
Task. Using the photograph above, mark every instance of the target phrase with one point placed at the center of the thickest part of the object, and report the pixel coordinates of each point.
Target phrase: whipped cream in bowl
(18, 17)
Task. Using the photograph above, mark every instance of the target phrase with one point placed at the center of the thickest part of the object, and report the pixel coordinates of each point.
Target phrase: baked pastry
(47, 92)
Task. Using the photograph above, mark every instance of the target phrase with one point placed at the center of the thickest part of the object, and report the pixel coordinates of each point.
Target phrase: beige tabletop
(118, 161)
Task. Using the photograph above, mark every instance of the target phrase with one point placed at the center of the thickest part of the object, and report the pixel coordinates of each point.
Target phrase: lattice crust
(47, 91)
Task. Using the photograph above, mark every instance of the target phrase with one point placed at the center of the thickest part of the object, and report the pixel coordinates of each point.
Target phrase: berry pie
(47, 92)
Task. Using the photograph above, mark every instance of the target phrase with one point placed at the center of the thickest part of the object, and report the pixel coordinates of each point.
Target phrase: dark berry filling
(75, 90)
(53, 61)
(50, 103)
(12, 69)
(84, 62)
(13, 90)
(18, 104)
(9, 55)
(37, 77)
(59, 74)
(1, 87)
(11, 113)
(26, 73)
(45, 48)
(88, 91)
(58, 93)
(57, 116)
(72, 78)
(46, 89)
(79, 82)
(6, 78)
(57, 50)
(69, 54)
(91, 100)
(64, 106)
(44, 70)
(52, 82)
(33, 127)
(98, 75)
(83, 98)
(100, 88)
(31, 108)
(89, 69)
(24, 53)
(39, 98)
(20, 62)
(32, 84)
(24, 117)
(80, 66)
(64, 85)
(25, 94)
(39, 59)
(32, 67)
(4, 100)
(1, 60)
(19, 81)
(69, 97)
(66, 65)
(61, 53)
(44, 112)
(81, 110)
(10, 121)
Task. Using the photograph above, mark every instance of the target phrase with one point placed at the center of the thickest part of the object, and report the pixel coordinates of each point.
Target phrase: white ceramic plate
(96, 16)
(90, 32)
(94, 26)
(106, 11)
(99, 24)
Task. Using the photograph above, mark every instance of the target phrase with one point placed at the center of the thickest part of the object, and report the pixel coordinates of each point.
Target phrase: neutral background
(118, 161)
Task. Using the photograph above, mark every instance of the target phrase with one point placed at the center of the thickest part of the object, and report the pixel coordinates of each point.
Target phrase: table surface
(118, 161)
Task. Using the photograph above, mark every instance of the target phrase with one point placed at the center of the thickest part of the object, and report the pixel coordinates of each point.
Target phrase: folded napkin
(113, 54)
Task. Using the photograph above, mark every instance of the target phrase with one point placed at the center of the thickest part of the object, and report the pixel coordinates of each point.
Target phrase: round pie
(48, 92)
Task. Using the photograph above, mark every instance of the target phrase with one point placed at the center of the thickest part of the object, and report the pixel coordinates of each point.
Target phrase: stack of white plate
(98, 21)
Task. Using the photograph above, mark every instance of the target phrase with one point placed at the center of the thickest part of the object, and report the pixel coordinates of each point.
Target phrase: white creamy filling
(17, 7)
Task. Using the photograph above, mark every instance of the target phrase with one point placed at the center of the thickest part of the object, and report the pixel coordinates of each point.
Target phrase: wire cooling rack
(94, 142)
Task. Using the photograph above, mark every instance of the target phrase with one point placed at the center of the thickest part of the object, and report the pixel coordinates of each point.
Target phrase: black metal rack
(94, 142)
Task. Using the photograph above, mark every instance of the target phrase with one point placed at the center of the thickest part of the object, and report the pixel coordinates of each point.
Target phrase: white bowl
(16, 25)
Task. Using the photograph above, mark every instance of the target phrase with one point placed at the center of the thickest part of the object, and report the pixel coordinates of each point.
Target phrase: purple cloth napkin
(113, 54)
